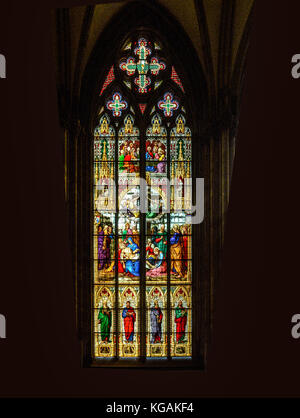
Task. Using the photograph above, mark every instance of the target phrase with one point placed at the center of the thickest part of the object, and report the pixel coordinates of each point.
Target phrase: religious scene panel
(156, 140)
(180, 245)
(118, 231)
(129, 321)
(156, 255)
(129, 150)
(104, 219)
(156, 172)
(181, 271)
(104, 198)
(181, 321)
(104, 246)
(129, 259)
(156, 148)
(180, 252)
(157, 200)
(182, 220)
(129, 172)
(129, 200)
(128, 225)
(156, 223)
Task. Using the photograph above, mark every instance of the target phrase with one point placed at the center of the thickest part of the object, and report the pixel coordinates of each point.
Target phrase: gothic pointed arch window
(144, 103)
(142, 192)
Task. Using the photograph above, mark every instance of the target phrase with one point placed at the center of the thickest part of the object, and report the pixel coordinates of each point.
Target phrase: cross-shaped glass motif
(168, 105)
(116, 105)
(142, 65)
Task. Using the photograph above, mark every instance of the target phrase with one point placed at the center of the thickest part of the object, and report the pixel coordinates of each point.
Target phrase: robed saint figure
(104, 318)
(180, 320)
(177, 251)
(129, 318)
(156, 317)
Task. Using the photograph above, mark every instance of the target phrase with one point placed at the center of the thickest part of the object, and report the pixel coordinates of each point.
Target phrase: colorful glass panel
(142, 65)
(117, 105)
(142, 259)
(129, 320)
(109, 79)
(168, 104)
(176, 79)
(156, 318)
(181, 320)
(104, 321)
(142, 107)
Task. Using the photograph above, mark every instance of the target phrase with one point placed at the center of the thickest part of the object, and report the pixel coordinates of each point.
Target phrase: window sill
(149, 363)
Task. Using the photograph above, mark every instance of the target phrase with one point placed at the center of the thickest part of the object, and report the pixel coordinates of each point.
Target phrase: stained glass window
(142, 235)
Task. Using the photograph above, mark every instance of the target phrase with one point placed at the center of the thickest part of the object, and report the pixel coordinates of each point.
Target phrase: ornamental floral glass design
(117, 105)
(142, 65)
(142, 261)
(168, 104)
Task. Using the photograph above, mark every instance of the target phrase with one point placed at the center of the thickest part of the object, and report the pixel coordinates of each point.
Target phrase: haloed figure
(156, 317)
(180, 320)
(104, 318)
(176, 250)
(104, 243)
(129, 318)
